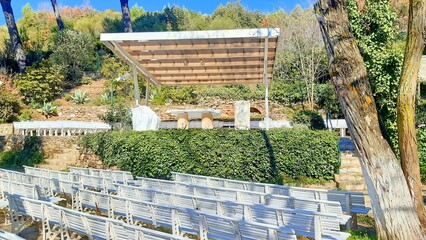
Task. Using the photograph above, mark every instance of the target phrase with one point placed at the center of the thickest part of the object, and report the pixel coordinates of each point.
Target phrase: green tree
(14, 35)
(74, 52)
(377, 34)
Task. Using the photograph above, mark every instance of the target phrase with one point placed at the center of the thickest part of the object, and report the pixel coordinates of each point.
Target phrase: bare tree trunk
(393, 207)
(14, 35)
(57, 15)
(126, 15)
(406, 105)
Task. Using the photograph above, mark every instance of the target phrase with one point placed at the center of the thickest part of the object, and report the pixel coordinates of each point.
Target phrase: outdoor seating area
(188, 205)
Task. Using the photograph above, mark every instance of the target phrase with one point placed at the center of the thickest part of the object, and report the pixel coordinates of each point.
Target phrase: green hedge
(421, 141)
(245, 155)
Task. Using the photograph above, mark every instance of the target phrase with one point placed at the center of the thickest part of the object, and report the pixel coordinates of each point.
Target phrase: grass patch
(362, 235)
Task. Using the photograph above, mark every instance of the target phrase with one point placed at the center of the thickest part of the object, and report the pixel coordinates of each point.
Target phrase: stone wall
(81, 113)
(6, 129)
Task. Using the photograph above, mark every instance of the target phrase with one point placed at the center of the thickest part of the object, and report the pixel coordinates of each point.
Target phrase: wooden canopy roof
(242, 56)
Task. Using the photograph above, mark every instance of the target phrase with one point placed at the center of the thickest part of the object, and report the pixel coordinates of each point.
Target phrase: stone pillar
(242, 115)
(182, 122)
(207, 121)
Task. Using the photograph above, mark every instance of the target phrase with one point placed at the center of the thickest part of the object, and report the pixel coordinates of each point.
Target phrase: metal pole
(265, 80)
(136, 84)
(147, 93)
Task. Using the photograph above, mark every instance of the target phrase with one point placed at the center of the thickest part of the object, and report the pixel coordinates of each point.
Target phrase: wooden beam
(213, 55)
(218, 64)
(212, 82)
(223, 70)
(210, 76)
(178, 45)
(190, 47)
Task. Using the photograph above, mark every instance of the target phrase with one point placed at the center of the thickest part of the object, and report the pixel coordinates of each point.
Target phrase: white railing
(58, 128)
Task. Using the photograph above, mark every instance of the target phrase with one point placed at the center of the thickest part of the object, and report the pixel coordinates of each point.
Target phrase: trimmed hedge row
(246, 155)
(421, 141)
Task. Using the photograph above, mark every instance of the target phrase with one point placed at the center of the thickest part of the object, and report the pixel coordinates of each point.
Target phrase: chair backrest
(305, 222)
(180, 219)
(49, 185)
(116, 175)
(350, 201)
(95, 227)
(66, 176)
(244, 196)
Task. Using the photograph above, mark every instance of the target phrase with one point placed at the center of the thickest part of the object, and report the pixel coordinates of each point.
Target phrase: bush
(421, 141)
(75, 52)
(118, 117)
(30, 155)
(9, 107)
(309, 118)
(246, 155)
(41, 83)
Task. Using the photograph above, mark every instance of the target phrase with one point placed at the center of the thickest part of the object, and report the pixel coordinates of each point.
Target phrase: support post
(265, 80)
(136, 83)
(147, 93)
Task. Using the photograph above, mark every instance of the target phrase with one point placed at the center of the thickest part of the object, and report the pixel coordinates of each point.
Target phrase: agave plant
(106, 97)
(80, 97)
(48, 110)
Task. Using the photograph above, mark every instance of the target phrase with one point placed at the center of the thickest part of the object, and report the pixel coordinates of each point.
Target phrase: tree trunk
(393, 208)
(126, 15)
(15, 40)
(406, 105)
(57, 15)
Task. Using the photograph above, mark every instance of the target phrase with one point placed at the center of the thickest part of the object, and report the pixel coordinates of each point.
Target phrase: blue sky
(204, 6)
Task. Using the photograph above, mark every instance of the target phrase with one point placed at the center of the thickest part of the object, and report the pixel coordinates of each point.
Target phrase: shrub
(421, 141)
(309, 118)
(75, 52)
(30, 154)
(246, 155)
(9, 107)
(80, 97)
(41, 83)
(48, 110)
(25, 115)
(118, 117)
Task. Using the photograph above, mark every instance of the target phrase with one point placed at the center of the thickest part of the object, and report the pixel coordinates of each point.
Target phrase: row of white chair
(242, 196)
(64, 223)
(351, 202)
(274, 233)
(116, 175)
(51, 186)
(305, 223)
(180, 220)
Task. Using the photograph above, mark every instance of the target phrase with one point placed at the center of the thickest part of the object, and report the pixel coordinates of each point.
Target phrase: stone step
(348, 177)
(350, 169)
(352, 186)
(346, 165)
